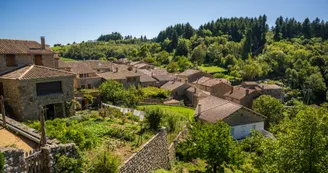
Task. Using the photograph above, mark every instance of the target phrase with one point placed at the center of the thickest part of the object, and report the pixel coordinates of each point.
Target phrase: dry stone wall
(14, 160)
(153, 155)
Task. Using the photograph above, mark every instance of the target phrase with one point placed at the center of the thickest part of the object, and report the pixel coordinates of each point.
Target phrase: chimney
(56, 57)
(116, 69)
(186, 81)
(247, 91)
(231, 89)
(43, 43)
(195, 90)
(199, 108)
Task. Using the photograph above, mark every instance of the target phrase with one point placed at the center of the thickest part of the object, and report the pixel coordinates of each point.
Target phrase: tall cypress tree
(188, 31)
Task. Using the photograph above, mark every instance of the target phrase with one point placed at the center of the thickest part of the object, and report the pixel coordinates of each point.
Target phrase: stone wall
(50, 152)
(14, 160)
(152, 155)
(173, 145)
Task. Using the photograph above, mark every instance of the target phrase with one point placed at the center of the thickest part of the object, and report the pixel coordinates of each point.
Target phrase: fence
(34, 162)
(135, 112)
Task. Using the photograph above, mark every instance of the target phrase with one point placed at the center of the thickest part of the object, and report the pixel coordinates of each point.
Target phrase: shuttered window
(38, 60)
(11, 60)
(48, 88)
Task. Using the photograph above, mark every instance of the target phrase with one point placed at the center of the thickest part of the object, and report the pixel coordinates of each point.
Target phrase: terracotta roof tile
(79, 67)
(172, 85)
(189, 72)
(22, 47)
(238, 92)
(99, 64)
(164, 78)
(34, 72)
(145, 78)
(201, 80)
(213, 82)
(123, 74)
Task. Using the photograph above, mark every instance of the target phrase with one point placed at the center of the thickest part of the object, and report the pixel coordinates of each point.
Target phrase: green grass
(212, 69)
(67, 59)
(184, 111)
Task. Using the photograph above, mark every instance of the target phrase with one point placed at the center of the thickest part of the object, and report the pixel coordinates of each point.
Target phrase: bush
(153, 118)
(66, 164)
(89, 98)
(154, 92)
(2, 163)
(106, 162)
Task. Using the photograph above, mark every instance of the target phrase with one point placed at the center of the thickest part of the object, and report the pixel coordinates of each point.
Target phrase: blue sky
(65, 21)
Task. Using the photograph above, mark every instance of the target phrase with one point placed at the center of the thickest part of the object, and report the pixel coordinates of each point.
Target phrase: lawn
(67, 59)
(183, 111)
(212, 69)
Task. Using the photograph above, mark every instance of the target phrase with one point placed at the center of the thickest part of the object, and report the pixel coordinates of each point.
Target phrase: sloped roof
(214, 109)
(238, 92)
(79, 67)
(201, 80)
(99, 64)
(35, 72)
(172, 85)
(213, 82)
(189, 72)
(166, 77)
(63, 64)
(22, 47)
(123, 74)
(145, 78)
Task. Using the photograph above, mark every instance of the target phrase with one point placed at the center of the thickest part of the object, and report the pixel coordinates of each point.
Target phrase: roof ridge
(21, 76)
(53, 69)
(226, 101)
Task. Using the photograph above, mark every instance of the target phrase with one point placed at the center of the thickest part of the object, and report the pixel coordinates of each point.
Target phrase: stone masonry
(152, 155)
(14, 160)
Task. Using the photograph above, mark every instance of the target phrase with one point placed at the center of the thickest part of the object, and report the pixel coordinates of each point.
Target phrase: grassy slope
(188, 112)
(212, 69)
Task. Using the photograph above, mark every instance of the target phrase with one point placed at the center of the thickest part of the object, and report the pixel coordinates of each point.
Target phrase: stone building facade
(26, 88)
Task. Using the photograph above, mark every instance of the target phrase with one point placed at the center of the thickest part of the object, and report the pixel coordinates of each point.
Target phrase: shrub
(2, 163)
(89, 98)
(153, 118)
(66, 164)
(172, 123)
(106, 162)
(154, 92)
(219, 75)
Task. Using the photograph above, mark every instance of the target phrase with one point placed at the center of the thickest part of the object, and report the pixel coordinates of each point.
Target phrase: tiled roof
(145, 78)
(214, 109)
(99, 64)
(238, 92)
(172, 85)
(213, 82)
(22, 47)
(164, 78)
(123, 74)
(189, 72)
(79, 67)
(201, 80)
(63, 64)
(35, 72)
(159, 71)
(269, 86)
(198, 92)
(250, 82)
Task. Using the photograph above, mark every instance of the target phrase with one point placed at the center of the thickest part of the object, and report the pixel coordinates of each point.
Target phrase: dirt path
(8, 138)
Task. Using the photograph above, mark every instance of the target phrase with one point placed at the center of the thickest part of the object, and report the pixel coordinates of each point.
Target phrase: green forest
(292, 52)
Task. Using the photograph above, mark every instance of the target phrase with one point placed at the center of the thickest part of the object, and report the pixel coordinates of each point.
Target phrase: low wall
(173, 145)
(152, 155)
(14, 160)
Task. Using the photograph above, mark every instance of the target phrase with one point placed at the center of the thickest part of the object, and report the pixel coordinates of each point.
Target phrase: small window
(38, 60)
(232, 131)
(47, 88)
(11, 60)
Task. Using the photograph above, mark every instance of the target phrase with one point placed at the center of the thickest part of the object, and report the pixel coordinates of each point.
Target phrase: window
(11, 60)
(232, 131)
(38, 60)
(84, 75)
(46, 88)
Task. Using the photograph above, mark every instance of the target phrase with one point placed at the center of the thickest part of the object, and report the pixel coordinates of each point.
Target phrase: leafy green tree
(214, 144)
(270, 107)
(162, 57)
(172, 67)
(132, 97)
(2, 163)
(106, 162)
(112, 91)
(198, 54)
(214, 53)
(153, 118)
(188, 31)
(317, 84)
(144, 51)
(183, 47)
(183, 63)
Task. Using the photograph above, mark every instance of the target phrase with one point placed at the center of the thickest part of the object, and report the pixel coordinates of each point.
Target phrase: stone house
(241, 95)
(266, 89)
(146, 80)
(194, 95)
(28, 87)
(217, 87)
(123, 75)
(241, 119)
(85, 76)
(100, 66)
(177, 88)
(191, 75)
(18, 53)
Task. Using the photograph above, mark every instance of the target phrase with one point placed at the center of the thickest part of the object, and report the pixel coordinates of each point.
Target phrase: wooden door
(38, 60)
